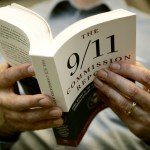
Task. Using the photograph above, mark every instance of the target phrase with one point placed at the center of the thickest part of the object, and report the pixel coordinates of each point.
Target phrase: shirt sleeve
(7, 143)
(147, 143)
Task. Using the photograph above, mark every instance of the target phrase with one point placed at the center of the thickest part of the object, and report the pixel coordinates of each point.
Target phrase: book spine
(48, 80)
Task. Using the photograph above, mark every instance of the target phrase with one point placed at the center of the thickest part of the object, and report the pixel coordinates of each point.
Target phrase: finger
(137, 121)
(47, 124)
(11, 75)
(118, 103)
(34, 115)
(44, 124)
(24, 102)
(126, 87)
(134, 72)
(102, 99)
(114, 98)
(139, 64)
(3, 67)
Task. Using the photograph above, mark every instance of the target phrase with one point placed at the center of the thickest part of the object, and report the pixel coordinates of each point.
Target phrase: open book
(66, 66)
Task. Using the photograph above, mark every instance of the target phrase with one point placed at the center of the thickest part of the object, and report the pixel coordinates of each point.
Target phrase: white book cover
(77, 53)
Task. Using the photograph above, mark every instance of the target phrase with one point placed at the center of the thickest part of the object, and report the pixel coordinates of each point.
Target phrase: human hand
(24, 112)
(129, 101)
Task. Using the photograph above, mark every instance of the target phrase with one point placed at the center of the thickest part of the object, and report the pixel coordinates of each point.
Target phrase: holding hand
(129, 101)
(24, 112)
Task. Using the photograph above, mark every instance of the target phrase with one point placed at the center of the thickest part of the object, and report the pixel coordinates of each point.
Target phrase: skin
(121, 93)
(20, 113)
(85, 3)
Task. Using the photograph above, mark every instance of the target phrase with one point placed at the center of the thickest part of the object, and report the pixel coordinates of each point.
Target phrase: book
(66, 66)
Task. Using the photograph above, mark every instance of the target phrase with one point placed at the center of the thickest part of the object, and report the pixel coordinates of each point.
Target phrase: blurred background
(27, 3)
(143, 5)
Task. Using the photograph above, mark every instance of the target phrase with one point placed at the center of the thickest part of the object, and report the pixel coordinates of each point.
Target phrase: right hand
(20, 113)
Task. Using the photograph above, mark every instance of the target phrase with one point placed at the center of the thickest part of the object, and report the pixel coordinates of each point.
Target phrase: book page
(14, 44)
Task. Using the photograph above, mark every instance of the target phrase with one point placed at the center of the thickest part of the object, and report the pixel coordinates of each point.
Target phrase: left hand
(129, 101)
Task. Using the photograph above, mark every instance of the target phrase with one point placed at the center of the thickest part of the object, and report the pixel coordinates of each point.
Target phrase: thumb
(9, 75)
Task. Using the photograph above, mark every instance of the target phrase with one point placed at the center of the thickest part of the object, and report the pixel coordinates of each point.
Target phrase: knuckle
(7, 116)
(138, 130)
(108, 91)
(6, 76)
(28, 117)
(132, 91)
(41, 125)
(146, 120)
(23, 72)
(123, 106)
(146, 78)
(33, 116)
(10, 103)
(31, 102)
(23, 117)
(45, 124)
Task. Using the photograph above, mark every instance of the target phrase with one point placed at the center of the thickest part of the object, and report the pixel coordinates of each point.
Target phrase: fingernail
(98, 83)
(45, 102)
(55, 113)
(115, 66)
(31, 69)
(102, 74)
